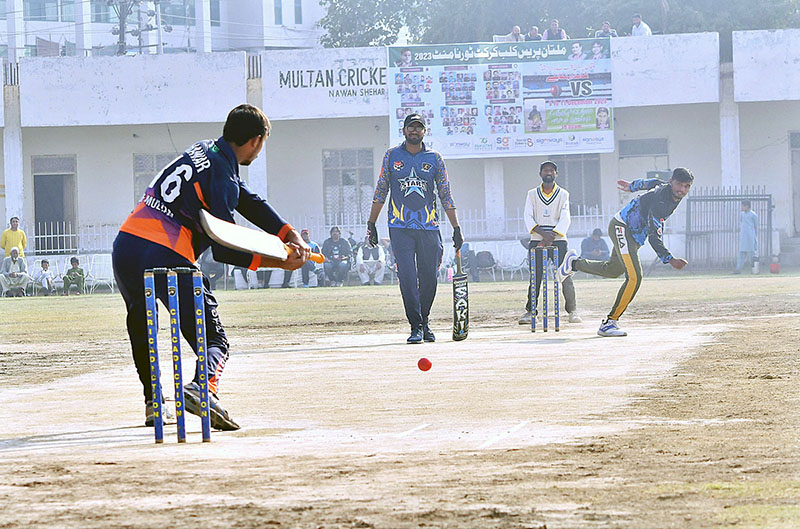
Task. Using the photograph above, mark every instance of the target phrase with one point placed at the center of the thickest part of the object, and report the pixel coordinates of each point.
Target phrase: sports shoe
(416, 335)
(565, 270)
(610, 328)
(525, 319)
(575, 318)
(219, 416)
(167, 417)
(427, 334)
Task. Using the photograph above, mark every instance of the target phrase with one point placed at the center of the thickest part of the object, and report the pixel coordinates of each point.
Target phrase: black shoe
(219, 416)
(416, 335)
(427, 334)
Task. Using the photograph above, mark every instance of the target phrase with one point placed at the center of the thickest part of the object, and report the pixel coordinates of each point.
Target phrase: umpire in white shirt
(547, 219)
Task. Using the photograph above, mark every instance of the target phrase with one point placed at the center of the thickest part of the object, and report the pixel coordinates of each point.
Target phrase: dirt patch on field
(713, 444)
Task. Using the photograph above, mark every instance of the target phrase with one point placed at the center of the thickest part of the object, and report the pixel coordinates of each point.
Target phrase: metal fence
(713, 223)
(475, 225)
(55, 238)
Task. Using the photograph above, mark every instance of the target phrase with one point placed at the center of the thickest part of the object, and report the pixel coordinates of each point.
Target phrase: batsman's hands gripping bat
(372, 234)
(460, 302)
(458, 239)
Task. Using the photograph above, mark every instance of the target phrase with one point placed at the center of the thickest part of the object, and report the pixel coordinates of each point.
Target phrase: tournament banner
(505, 98)
(324, 83)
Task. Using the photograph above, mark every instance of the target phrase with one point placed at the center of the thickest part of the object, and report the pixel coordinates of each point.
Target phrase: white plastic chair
(101, 272)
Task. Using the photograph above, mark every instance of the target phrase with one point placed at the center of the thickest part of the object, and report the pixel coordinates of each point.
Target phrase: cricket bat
(460, 302)
(248, 240)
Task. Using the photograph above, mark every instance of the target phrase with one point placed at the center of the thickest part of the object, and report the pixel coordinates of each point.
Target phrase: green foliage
(378, 22)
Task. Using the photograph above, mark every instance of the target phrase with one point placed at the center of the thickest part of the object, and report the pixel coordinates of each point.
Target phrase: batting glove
(372, 234)
(458, 239)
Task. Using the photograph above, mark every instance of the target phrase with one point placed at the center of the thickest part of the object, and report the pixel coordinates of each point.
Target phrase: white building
(84, 135)
(92, 27)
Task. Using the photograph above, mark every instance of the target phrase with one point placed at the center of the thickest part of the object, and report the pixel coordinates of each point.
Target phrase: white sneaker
(574, 318)
(565, 270)
(525, 319)
(610, 328)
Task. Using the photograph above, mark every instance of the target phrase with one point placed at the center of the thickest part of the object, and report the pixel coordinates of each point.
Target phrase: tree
(377, 23)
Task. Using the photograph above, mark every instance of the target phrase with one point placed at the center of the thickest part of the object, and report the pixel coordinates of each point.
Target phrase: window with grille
(298, 11)
(580, 175)
(102, 12)
(145, 167)
(349, 185)
(46, 10)
(278, 12)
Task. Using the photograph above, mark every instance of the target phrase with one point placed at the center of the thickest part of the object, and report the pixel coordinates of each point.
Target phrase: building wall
(104, 190)
(765, 65)
(765, 129)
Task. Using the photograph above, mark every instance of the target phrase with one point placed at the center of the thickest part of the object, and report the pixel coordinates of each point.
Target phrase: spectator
(74, 276)
(370, 263)
(14, 237)
(515, 35)
(606, 31)
(748, 238)
(212, 269)
(470, 262)
(594, 247)
(533, 34)
(309, 265)
(44, 277)
(337, 254)
(14, 274)
(640, 27)
(554, 32)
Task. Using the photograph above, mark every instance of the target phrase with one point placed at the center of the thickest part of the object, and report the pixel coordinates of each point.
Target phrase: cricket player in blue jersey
(642, 219)
(411, 175)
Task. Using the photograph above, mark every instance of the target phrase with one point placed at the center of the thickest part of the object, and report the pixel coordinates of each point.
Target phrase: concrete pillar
(12, 159)
(202, 25)
(15, 24)
(83, 29)
(730, 148)
(257, 175)
(494, 192)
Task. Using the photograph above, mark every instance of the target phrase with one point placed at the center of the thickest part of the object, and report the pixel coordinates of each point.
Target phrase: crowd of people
(639, 28)
(16, 277)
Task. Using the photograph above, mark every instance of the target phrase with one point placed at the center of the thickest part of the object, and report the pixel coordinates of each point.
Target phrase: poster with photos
(505, 98)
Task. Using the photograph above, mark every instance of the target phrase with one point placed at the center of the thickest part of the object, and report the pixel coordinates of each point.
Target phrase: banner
(505, 98)
(324, 83)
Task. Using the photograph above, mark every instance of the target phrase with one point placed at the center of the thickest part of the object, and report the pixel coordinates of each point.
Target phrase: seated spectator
(370, 263)
(469, 262)
(515, 35)
(211, 268)
(594, 247)
(337, 254)
(74, 276)
(44, 277)
(533, 34)
(287, 278)
(640, 27)
(309, 266)
(554, 32)
(606, 31)
(14, 274)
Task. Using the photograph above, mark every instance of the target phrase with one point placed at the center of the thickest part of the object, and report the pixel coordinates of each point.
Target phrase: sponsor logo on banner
(523, 142)
(398, 165)
(483, 147)
(572, 140)
(549, 141)
(460, 144)
(593, 140)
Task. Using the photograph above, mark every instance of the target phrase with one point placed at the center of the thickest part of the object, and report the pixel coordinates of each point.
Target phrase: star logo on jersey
(398, 165)
(426, 167)
(413, 184)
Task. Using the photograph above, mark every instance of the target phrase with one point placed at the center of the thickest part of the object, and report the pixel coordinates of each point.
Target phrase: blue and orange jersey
(645, 214)
(206, 176)
(411, 182)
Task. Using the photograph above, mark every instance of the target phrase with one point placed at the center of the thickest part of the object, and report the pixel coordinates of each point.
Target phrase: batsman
(411, 175)
(164, 230)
